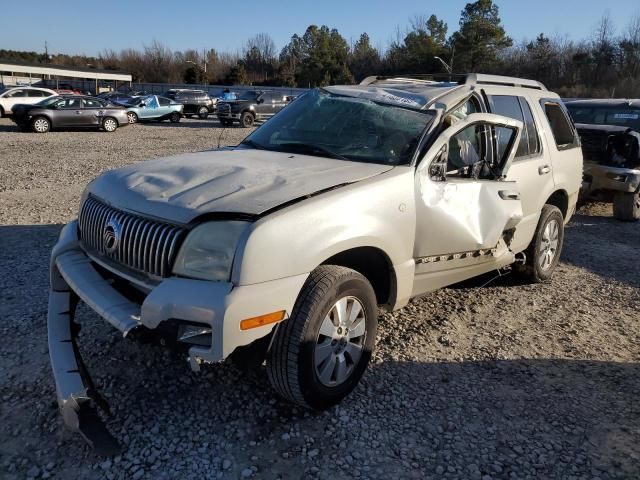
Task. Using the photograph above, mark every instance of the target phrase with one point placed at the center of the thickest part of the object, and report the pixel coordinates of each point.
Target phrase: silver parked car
(353, 198)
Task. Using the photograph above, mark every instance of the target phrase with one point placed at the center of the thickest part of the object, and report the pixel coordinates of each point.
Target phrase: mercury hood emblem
(111, 235)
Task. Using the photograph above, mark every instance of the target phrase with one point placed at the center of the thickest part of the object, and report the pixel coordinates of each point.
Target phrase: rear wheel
(543, 253)
(40, 125)
(320, 353)
(132, 117)
(109, 124)
(626, 206)
(203, 112)
(246, 119)
(174, 117)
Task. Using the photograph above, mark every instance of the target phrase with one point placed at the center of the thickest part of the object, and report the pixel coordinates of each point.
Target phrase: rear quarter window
(562, 128)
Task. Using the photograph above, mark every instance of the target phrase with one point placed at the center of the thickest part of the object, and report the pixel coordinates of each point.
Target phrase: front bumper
(219, 305)
(228, 116)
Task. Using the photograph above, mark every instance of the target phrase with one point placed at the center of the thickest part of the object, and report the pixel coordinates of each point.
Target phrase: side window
(509, 106)
(533, 139)
(35, 93)
(563, 131)
(17, 94)
(164, 101)
(466, 109)
(89, 103)
(73, 103)
(47, 94)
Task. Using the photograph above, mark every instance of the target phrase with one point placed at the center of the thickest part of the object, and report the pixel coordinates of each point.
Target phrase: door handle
(509, 195)
(543, 170)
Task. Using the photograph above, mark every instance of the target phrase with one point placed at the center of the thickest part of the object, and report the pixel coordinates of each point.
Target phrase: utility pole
(46, 51)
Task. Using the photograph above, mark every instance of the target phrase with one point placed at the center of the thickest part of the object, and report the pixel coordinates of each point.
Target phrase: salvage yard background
(499, 381)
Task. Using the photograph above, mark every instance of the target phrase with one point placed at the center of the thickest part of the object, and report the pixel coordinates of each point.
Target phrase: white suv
(283, 248)
(26, 95)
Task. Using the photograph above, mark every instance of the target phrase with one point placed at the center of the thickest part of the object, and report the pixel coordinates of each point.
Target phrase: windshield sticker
(627, 116)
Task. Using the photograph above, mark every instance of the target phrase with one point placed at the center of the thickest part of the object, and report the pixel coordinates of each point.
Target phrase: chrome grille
(144, 245)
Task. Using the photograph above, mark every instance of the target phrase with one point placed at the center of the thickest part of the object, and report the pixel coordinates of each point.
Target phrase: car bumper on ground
(209, 312)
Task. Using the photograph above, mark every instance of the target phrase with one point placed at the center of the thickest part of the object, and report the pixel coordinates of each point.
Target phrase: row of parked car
(40, 109)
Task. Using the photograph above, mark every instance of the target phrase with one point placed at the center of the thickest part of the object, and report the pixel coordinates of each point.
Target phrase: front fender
(378, 212)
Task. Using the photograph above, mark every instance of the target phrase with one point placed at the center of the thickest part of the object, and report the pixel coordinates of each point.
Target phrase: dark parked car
(196, 102)
(250, 106)
(609, 130)
(69, 111)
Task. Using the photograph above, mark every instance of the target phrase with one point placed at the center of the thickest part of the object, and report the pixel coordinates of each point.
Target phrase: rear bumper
(599, 177)
(218, 305)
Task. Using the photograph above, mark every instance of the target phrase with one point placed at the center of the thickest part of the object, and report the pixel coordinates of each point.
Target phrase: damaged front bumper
(216, 308)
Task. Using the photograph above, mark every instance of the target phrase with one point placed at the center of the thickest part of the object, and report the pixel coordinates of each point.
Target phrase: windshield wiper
(311, 148)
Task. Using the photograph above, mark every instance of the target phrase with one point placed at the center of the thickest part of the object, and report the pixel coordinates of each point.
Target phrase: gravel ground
(477, 382)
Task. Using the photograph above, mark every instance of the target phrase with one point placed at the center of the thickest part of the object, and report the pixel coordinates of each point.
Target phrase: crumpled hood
(246, 181)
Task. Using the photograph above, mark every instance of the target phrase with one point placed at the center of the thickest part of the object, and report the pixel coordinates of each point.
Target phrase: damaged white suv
(284, 247)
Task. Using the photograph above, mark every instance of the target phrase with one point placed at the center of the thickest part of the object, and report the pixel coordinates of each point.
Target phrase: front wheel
(203, 113)
(41, 125)
(109, 124)
(320, 353)
(246, 119)
(174, 117)
(132, 117)
(543, 253)
(626, 206)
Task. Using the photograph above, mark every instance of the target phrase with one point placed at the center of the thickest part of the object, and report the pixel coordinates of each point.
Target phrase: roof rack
(485, 79)
(462, 79)
(420, 79)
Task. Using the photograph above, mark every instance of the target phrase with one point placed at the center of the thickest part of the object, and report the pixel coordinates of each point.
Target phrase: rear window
(563, 132)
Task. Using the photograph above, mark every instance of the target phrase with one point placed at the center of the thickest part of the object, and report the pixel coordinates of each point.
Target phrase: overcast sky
(225, 26)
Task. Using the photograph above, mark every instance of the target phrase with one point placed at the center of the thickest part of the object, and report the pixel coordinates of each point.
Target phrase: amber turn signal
(262, 320)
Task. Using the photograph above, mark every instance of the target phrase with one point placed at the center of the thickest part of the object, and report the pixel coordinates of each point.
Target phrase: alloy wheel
(340, 341)
(549, 244)
(132, 117)
(110, 125)
(41, 125)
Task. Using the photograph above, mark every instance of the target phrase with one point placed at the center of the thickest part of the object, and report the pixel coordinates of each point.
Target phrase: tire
(109, 124)
(310, 335)
(40, 125)
(543, 253)
(174, 117)
(246, 119)
(626, 206)
(203, 113)
(132, 117)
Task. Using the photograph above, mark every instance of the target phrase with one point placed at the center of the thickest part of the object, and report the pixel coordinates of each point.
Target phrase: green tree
(237, 75)
(364, 59)
(318, 58)
(417, 52)
(481, 37)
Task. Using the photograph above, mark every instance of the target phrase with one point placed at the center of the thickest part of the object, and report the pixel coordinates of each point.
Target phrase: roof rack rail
(462, 79)
(424, 79)
(485, 79)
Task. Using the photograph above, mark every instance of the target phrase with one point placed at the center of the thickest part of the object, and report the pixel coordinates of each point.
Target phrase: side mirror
(260, 100)
(142, 104)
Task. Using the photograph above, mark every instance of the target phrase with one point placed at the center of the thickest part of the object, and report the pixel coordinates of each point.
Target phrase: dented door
(466, 212)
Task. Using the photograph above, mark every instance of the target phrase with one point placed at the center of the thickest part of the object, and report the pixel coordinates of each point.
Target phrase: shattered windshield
(358, 129)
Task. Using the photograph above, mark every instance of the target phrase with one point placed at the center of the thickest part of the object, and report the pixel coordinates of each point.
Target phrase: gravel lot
(500, 381)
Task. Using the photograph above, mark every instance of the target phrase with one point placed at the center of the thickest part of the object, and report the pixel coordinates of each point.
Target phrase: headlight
(207, 252)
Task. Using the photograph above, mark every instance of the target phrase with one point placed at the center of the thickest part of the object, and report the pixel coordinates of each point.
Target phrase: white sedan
(28, 95)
